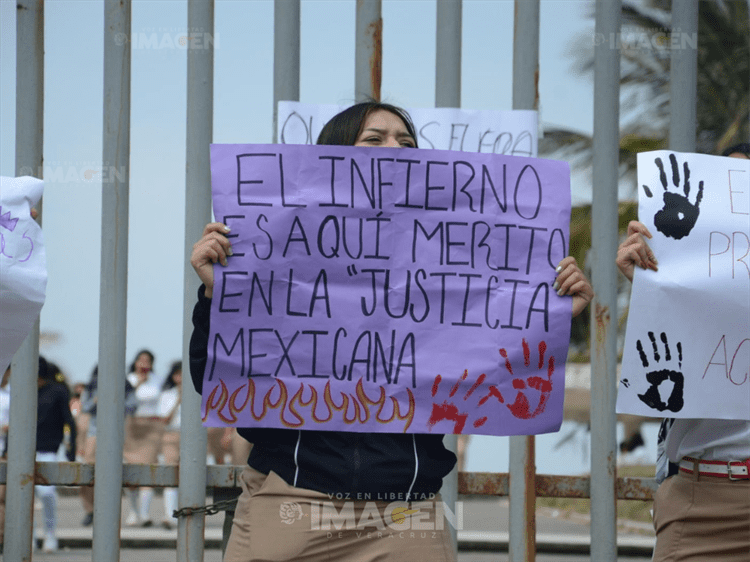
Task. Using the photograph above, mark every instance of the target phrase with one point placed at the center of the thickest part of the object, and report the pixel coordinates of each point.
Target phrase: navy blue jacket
(53, 413)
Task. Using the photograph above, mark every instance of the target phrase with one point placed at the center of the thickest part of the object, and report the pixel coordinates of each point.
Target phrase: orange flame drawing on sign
(291, 411)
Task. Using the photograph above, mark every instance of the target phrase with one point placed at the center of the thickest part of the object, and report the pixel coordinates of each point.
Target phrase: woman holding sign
(337, 495)
(702, 505)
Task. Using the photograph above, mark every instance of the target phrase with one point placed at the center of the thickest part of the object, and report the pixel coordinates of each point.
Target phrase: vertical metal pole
(522, 465)
(199, 129)
(114, 281)
(368, 51)
(19, 503)
(683, 76)
(448, 94)
(448, 54)
(604, 278)
(286, 55)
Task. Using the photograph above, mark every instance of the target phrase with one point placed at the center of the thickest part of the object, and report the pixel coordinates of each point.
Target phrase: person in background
(169, 410)
(143, 433)
(741, 150)
(88, 407)
(700, 513)
(4, 421)
(82, 418)
(53, 415)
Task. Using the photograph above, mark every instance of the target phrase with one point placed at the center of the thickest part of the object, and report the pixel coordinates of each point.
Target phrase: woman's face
(383, 128)
(143, 363)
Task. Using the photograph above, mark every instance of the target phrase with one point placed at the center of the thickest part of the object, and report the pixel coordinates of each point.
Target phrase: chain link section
(211, 509)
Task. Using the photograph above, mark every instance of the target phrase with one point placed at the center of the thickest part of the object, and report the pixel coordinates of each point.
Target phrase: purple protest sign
(388, 290)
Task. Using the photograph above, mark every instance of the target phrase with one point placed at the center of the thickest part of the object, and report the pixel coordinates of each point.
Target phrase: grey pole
(448, 94)
(199, 132)
(286, 55)
(604, 278)
(448, 54)
(114, 281)
(522, 465)
(368, 51)
(19, 502)
(683, 76)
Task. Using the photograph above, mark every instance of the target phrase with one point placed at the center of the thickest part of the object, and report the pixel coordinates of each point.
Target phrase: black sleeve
(199, 338)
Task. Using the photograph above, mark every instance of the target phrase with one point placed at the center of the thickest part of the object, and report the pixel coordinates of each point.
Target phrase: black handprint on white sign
(653, 397)
(679, 215)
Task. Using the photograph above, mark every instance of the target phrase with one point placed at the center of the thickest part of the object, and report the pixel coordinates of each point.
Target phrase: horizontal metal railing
(227, 476)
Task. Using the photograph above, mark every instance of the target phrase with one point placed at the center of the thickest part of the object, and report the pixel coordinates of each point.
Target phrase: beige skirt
(143, 438)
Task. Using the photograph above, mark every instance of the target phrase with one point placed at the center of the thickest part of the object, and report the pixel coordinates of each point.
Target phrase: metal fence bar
(19, 502)
(604, 278)
(448, 94)
(522, 532)
(228, 476)
(448, 54)
(113, 282)
(199, 133)
(554, 486)
(683, 77)
(286, 55)
(368, 51)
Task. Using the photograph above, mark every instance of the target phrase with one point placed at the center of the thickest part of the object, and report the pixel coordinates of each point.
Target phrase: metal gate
(521, 484)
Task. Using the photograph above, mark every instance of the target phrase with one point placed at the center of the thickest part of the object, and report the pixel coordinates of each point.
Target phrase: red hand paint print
(450, 410)
(521, 406)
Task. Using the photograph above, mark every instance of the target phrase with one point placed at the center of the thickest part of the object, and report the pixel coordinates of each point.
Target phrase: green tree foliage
(723, 107)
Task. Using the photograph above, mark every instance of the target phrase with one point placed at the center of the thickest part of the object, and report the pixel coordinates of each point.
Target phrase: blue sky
(243, 82)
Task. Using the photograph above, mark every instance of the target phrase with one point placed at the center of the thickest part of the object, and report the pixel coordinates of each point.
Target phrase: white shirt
(711, 440)
(146, 395)
(167, 401)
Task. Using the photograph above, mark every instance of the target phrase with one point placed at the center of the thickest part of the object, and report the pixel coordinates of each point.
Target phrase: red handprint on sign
(520, 408)
(451, 412)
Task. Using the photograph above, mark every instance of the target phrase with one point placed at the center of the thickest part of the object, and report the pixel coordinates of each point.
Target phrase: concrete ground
(484, 536)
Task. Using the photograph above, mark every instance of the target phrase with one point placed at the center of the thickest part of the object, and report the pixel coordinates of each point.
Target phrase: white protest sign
(513, 133)
(23, 264)
(687, 348)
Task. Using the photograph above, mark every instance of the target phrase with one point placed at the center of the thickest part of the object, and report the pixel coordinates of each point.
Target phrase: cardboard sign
(388, 290)
(687, 348)
(514, 133)
(23, 264)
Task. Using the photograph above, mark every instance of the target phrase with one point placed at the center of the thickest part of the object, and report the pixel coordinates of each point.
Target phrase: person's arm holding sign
(213, 247)
(635, 251)
(571, 281)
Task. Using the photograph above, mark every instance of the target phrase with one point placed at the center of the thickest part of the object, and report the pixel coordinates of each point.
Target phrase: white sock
(146, 495)
(170, 502)
(133, 497)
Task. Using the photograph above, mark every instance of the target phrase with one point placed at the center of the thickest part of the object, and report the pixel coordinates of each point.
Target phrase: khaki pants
(276, 521)
(702, 519)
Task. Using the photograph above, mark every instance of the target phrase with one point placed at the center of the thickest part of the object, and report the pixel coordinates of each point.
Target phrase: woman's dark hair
(344, 128)
(169, 382)
(137, 355)
(93, 381)
(45, 373)
(742, 148)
